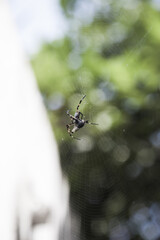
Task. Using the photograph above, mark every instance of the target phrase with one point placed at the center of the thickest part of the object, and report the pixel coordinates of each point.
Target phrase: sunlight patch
(104, 120)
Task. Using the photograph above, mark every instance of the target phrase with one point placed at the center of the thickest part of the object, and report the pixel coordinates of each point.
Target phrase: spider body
(77, 121)
(78, 124)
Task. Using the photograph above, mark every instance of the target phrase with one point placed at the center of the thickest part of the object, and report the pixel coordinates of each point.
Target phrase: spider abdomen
(80, 124)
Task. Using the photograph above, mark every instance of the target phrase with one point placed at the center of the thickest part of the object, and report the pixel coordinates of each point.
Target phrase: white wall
(31, 182)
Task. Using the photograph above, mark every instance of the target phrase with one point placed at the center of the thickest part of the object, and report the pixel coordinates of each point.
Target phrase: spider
(77, 121)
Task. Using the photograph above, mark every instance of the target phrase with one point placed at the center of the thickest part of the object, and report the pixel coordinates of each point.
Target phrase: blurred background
(108, 50)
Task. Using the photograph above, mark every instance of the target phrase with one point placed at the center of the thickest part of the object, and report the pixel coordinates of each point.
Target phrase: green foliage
(112, 56)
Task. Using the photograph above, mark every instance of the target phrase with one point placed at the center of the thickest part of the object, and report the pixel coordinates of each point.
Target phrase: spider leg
(68, 128)
(71, 117)
(68, 111)
(80, 102)
(81, 115)
(70, 132)
(90, 123)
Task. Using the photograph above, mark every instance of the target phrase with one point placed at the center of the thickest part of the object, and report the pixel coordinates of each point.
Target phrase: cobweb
(101, 167)
(96, 166)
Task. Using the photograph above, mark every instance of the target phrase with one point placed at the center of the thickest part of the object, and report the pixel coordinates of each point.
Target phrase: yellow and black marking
(71, 117)
(80, 102)
(68, 129)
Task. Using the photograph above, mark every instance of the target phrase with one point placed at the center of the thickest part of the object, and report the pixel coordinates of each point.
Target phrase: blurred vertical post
(33, 193)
